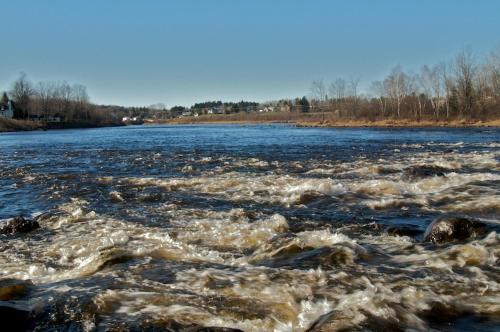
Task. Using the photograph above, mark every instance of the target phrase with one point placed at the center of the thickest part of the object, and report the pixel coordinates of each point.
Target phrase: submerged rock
(337, 320)
(444, 312)
(212, 329)
(19, 225)
(10, 289)
(453, 229)
(169, 324)
(404, 230)
(291, 251)
(423, 171)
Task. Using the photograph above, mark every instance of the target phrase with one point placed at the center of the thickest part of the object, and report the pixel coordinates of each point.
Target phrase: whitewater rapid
(262, 244)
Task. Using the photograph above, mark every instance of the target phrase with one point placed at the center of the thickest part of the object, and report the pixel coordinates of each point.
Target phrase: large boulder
(19, 225)
(15, 318)
(413, 173)
(453, 229)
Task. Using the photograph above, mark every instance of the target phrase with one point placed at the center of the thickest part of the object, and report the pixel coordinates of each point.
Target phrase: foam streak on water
(254, 228)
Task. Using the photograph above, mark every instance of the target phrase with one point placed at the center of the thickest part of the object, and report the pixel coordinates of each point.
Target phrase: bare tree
(396, 86)
(318, 90)
(415, 95)
(492, 68)
(378, 89)
(465, 71)
(353, 87)
(338, 89)
(448, 82)
(353, 94)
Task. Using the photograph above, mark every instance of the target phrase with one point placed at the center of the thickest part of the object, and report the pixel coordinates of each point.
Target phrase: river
(257, 228)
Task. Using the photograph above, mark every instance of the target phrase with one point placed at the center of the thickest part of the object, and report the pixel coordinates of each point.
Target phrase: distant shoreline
(402, 124)
(18, 125)
(314, 120)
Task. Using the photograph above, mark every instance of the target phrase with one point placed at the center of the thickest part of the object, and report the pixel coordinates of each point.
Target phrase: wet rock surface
(11, 289)
(404, 230)
(413, 173)
(451, 229)
(340, 321)
(19, 225)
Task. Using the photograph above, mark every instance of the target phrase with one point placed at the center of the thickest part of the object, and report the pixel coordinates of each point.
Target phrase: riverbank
(10, 125)
(18, 125)
(400, 123)
(323, 120)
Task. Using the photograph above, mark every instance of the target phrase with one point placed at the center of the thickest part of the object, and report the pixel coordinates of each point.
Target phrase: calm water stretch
(257, 228)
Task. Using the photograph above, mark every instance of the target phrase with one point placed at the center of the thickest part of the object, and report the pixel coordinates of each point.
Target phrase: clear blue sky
(178, 52)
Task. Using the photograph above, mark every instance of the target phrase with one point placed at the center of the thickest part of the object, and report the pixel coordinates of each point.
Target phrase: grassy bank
(7, 125)
(326, 120)
(402, 123)
(18, 125)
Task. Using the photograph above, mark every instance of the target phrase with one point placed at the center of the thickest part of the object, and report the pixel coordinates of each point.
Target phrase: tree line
(461, 88)
(68, 103)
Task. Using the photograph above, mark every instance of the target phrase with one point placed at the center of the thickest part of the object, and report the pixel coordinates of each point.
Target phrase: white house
(216, 110)
(6, 111)
(54, 118)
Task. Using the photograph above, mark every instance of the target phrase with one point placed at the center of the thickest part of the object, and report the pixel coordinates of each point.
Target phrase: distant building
(266, 109)
(216, 110)
(132, 120)
(285, 108)
(186, 113)
(54, 118)
(35, 117)
(6, 110)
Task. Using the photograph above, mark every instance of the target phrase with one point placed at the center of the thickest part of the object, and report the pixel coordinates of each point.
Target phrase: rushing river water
(257, 228)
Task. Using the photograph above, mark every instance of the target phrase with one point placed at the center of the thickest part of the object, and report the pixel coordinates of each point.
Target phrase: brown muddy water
(252, 228)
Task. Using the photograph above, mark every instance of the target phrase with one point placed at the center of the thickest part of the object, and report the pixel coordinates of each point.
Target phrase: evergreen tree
(5, 99)
(305, 104)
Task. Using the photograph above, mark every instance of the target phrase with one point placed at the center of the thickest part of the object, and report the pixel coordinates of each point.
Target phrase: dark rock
(151, 197)
(444, 312)
(308, 196)
(296, 256)
(10, 289)
(404, 230)
(453, 229)
(15, 318)
(383, 170)
(19, 225)
(67, 312)
(423, 171)
(169, 324)
(342, 321)
(211, 329)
